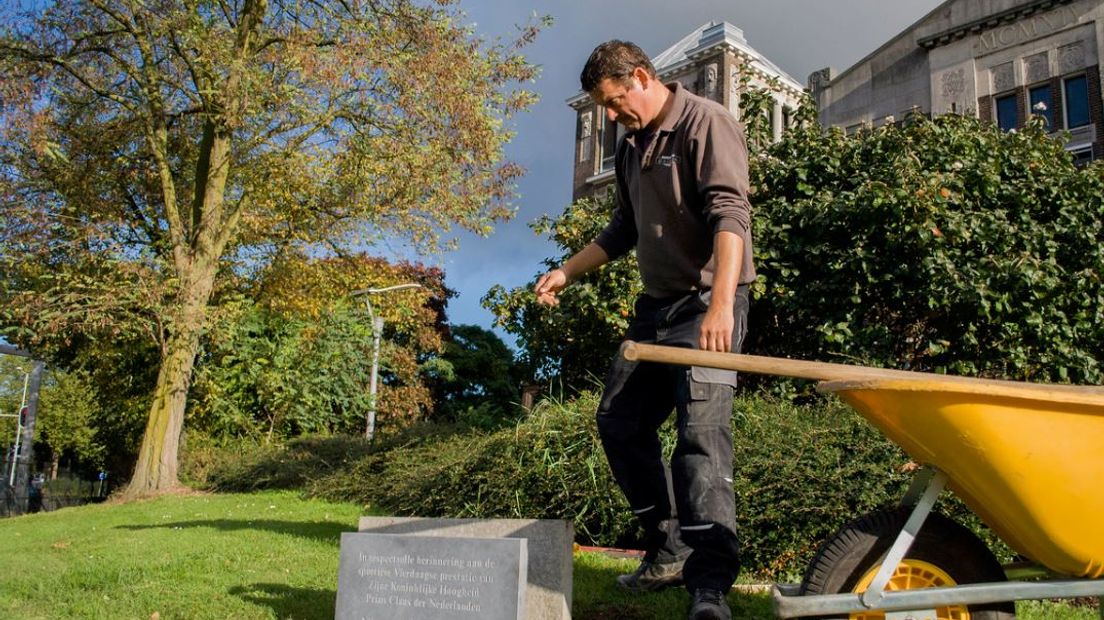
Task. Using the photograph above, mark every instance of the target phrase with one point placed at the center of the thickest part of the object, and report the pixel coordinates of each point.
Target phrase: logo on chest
(667, 160)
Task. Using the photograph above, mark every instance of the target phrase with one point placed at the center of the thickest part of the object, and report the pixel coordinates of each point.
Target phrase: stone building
(1000, 60)
(709, 62)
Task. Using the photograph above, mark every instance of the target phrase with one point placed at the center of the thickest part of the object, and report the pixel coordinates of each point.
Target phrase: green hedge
(944, 245)
(801, 472)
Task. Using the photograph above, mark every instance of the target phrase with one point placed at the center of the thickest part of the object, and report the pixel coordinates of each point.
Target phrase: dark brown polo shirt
(689, 182)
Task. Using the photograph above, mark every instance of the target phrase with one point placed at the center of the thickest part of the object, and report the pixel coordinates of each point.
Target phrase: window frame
(606, 160)
(1066, 107)
(1009, 96)
(1048, 114)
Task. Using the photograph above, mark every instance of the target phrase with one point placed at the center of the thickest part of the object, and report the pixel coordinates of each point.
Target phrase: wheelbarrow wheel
(943, 554)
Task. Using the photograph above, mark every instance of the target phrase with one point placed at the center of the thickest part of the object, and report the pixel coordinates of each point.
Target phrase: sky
(799, 36)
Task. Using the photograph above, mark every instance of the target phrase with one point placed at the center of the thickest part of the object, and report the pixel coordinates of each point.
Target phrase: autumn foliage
(152, 155)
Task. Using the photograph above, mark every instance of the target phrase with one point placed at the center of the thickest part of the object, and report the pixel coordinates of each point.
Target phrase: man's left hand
(716, 329)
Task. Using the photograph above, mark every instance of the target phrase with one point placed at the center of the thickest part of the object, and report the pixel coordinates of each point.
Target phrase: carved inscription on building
(1071, 57)
(1003, 77)
(1025, 30)
(954, 84)
(1036, 68)
(952, 90)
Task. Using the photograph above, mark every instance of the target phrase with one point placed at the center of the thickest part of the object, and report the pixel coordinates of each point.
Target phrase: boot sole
(655, 586)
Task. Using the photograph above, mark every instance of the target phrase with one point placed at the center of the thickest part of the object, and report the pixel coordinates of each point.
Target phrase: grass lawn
(265, 555)
(252, 556)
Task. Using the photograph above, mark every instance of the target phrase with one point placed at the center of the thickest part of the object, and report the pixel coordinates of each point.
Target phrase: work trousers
(687, 508)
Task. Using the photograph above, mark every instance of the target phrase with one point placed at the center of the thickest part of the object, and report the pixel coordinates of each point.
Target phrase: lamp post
(377, 332)
(19, 425)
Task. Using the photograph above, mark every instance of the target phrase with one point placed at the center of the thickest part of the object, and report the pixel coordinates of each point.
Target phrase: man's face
(624, 101)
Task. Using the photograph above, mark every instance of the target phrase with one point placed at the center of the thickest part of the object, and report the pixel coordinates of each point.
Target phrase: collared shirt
(672, 196)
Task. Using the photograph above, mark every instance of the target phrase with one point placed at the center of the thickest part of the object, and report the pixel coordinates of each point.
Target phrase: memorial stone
(549, 547)
(395, 577)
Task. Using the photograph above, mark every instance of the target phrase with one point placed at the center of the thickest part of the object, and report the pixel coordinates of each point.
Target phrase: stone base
(548, 593)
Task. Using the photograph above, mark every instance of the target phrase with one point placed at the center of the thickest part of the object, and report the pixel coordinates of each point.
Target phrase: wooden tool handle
(854, 375)
(818, 371)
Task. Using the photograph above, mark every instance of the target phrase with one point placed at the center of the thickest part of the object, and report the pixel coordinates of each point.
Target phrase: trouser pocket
(702, 462)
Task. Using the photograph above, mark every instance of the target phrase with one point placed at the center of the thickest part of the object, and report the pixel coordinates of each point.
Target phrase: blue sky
(800, 36)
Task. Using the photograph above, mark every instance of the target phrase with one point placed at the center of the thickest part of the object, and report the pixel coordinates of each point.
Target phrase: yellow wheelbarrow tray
(1026, 458)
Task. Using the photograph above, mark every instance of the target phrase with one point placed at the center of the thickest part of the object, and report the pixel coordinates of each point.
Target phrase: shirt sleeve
(619, 236)
(721, 166)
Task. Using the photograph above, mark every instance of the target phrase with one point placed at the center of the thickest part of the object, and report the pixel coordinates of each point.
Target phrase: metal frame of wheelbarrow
(922, 494)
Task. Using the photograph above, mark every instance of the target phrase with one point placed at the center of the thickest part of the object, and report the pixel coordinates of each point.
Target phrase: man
(681, 202)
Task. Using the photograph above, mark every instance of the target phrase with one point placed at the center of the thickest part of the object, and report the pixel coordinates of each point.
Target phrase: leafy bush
(801, 472)
(942, 245)
(548, 466)
(248, 466)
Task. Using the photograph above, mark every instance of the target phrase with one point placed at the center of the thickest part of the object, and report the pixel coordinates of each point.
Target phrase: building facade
(999, 60)
(710, 62)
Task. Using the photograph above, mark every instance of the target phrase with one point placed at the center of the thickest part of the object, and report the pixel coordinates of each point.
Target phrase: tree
(152, 152)
(121, 373)
(67, 419)
(573, 342)
(482, 384)
(298, 359)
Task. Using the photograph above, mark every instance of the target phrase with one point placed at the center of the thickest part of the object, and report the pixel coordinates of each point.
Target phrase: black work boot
(652, 576)
(709, 605)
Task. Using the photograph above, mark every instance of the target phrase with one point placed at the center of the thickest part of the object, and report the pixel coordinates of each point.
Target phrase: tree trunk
(156, 470)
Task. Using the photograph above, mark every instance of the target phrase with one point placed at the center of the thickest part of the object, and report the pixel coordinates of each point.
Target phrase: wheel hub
(912, 574)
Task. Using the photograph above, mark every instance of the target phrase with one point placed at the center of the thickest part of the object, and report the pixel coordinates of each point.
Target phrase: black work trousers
(687, 508)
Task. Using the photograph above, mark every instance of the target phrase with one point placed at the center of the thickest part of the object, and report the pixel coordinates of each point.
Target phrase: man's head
(619, 76)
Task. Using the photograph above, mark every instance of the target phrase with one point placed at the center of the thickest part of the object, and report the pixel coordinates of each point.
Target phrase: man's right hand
(584, 261)
(549, 285)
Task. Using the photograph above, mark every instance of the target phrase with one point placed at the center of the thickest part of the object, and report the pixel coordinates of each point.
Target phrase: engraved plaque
(954, 84)
(1071, 57)
(400, 577)
(1036, 68)
(1003, 78)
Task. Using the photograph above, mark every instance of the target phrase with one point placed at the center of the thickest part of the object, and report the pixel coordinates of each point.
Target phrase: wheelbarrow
(1027, 458)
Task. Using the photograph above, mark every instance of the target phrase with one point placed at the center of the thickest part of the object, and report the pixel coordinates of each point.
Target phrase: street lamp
(19, 425)
(377, 331)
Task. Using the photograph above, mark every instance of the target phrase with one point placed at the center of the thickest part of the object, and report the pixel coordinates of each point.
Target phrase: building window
(609, 141)
(1042, 104)
(1006, 112)
(1082, 156)
(1076, 101)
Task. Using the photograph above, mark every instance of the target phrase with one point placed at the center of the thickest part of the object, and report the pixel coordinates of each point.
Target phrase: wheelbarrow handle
(801, 369)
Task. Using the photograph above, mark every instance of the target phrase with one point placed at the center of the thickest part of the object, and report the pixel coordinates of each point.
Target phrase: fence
(47, 495)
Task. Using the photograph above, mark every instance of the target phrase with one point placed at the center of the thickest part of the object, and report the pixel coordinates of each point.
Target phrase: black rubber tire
(860, 545)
